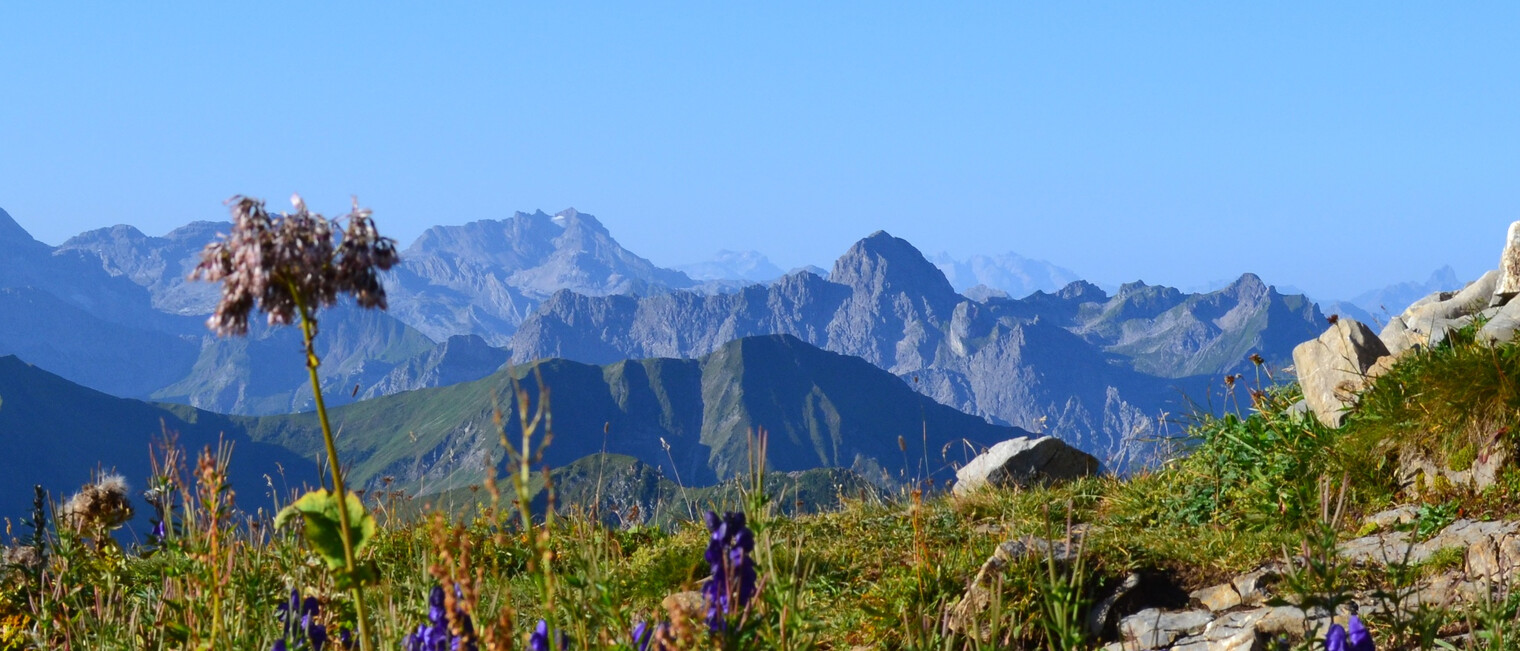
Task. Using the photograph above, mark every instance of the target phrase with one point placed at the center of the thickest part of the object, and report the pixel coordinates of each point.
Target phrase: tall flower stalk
(289, 266)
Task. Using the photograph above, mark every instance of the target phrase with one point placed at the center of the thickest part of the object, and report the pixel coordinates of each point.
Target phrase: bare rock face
(1333, 368)
(1024, 461)
(1509, 267)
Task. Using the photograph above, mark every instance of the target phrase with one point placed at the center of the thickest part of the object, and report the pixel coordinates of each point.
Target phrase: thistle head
(99, 506)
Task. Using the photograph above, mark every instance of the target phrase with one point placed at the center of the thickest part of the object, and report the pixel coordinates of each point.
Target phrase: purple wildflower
(300, 628)
(539, 640)
(732, 583)
(641, 636)
(1335, 640)
(283, 263)
(1359, 638)
(435, 634)
(646, 637)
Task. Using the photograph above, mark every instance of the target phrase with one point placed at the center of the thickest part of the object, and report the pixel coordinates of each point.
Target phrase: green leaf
(319, 510)
(363, 574)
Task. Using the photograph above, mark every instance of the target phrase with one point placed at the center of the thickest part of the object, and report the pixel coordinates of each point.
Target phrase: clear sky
(1330, 146)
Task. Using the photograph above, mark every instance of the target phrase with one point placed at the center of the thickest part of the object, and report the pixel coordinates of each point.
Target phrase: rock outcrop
(1336, 366)
(1024, 461)
(1248, 612)
(1347, 358)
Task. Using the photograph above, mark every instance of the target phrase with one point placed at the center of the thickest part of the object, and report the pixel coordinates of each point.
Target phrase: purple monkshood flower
(435, 634)
(642, 635)
(732, 583)
(1335, 640)
(539, 640)
(1358, 637)
(300, 631)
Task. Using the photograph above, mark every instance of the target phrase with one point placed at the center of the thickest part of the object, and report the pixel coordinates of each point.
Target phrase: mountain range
(1095, 370)
(743, 266)
(1008, 275)
(111, 309)
(690, 420)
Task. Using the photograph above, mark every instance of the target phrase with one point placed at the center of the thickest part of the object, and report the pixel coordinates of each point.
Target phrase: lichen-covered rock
(1025, 461)
(1399, 547)
(1333, 368)
(1494, 558)
(1418, 472)
(1253, 586)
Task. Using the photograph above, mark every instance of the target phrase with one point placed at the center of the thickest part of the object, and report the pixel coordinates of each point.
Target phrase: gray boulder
(1501, 328)
(1024, 461)
(1509, 267)
(1427, 321)
(1336, 366)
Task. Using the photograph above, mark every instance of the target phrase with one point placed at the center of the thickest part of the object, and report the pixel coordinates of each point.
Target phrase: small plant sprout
(289, 266)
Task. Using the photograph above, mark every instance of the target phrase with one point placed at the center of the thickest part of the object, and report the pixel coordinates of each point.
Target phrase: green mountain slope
(55, 433)
(821, 409)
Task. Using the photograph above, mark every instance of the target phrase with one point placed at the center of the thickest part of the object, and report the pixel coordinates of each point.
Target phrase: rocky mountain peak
(1129, 289)
(571, 217)
(881, 262)
(201, 232)
(1083, 290)
(12, 235)
(1248, 287)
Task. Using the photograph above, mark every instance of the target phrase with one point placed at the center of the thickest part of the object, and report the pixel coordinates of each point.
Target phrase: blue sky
(1333, 148)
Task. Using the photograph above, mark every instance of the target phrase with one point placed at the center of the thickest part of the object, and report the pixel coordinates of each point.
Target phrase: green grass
(872, 570)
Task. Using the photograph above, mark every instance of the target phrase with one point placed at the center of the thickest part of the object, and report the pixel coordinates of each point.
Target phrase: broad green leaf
(319, 510)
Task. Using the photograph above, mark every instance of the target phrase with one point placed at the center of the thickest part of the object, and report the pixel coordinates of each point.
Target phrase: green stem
(308, 333)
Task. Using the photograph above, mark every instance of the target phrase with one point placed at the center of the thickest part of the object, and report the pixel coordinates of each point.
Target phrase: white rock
(1024, 461)
(1509, 267)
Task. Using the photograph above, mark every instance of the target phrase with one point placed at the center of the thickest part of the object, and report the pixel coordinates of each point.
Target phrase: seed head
(100, 506)
(283, 262)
